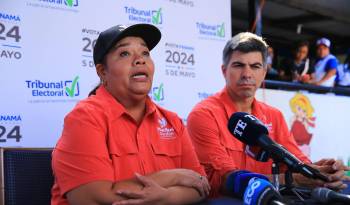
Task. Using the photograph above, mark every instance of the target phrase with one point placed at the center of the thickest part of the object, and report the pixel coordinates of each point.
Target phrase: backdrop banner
(46, 60)
(46, 68)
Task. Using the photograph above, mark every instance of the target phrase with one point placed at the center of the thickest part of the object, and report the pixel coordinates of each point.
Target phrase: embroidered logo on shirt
(269, 125)
(162, 122)
(164, 131)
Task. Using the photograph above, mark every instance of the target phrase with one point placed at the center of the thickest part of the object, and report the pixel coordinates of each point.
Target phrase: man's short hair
(245, 42)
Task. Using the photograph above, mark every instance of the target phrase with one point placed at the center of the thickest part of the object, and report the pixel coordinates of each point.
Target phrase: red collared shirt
(218, 151)
(100, 141)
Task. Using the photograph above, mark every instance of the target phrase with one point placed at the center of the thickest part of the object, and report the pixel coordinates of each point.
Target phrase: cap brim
(149, 33)
(322, 44)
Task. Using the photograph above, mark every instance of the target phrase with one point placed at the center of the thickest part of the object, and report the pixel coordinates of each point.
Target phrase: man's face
(244, 74)
(322, 51)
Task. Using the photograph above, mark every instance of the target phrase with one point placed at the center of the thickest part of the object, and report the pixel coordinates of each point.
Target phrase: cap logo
(122, 27)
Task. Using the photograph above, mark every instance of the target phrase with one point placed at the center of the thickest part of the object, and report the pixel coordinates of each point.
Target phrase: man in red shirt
(244, 69)
(117, 146)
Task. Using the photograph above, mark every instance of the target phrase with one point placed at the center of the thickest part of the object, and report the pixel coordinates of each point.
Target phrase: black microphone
(251, 131)
(257, 153)
(325, 195)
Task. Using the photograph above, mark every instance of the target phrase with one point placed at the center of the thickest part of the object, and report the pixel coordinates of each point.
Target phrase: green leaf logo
(157, 16)
(221, 30)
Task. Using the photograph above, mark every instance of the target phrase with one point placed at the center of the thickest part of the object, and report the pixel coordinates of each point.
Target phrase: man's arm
(333, 169)
(205, 133)
(327, 76)
(331, 70)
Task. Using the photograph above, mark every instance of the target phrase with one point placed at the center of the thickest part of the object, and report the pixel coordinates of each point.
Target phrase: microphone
(237, 182)
(261, 192)
(251, 131)
(325, 195)
(257, 153)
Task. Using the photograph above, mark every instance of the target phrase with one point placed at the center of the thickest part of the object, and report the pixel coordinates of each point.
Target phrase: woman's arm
(181, 184)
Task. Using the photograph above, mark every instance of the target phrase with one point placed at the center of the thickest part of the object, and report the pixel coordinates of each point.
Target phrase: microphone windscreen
(231, 179)
(246, 127)
(260, 192)
(242, 180)
(321, 194)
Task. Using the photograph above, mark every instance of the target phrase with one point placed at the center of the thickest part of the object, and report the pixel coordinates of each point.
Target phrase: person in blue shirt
(326, 65)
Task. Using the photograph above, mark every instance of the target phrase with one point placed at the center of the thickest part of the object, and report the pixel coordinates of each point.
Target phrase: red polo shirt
(218, 151)
(100, 141)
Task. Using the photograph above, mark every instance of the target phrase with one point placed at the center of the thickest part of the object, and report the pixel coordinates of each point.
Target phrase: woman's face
(302, 53)
(128, 70)
(300, 112)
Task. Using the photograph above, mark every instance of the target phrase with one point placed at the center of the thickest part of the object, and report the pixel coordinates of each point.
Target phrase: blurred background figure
(271, 62)
(343, 77)
(326, 64)
(299, 68)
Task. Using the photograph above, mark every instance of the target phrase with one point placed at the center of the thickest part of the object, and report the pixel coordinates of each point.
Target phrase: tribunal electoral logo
(142, 15)
(53, 91)
(64, 5)
(211, 30)
(203, 95)
(157, 93)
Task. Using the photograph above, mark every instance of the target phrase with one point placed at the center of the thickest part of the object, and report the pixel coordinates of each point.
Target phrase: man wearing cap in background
(326, 65)
(119, 147)
(223, 156)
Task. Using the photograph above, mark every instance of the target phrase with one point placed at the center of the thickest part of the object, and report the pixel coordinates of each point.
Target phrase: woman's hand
(189, 178)
(151, 193)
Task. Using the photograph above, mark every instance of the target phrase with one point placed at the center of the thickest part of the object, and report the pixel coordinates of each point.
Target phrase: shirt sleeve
(81, 155)
(189, 158)
(287, 140)
(204, 134)
(331, 64)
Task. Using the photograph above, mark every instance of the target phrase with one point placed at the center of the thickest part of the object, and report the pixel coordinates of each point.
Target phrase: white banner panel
(320, 121)
(46, 57)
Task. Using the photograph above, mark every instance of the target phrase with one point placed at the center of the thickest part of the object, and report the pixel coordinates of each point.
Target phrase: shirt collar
(231, 108)
(111, 104)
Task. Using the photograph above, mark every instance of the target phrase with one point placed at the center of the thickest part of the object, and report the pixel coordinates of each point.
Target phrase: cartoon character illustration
(303, 119)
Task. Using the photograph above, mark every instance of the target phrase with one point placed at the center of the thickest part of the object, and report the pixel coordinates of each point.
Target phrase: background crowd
(310, 66)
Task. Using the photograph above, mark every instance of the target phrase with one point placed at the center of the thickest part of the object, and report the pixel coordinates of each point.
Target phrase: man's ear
(223, 70)
(265, 71)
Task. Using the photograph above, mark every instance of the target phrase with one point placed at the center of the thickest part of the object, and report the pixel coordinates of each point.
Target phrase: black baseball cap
(108, 38)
